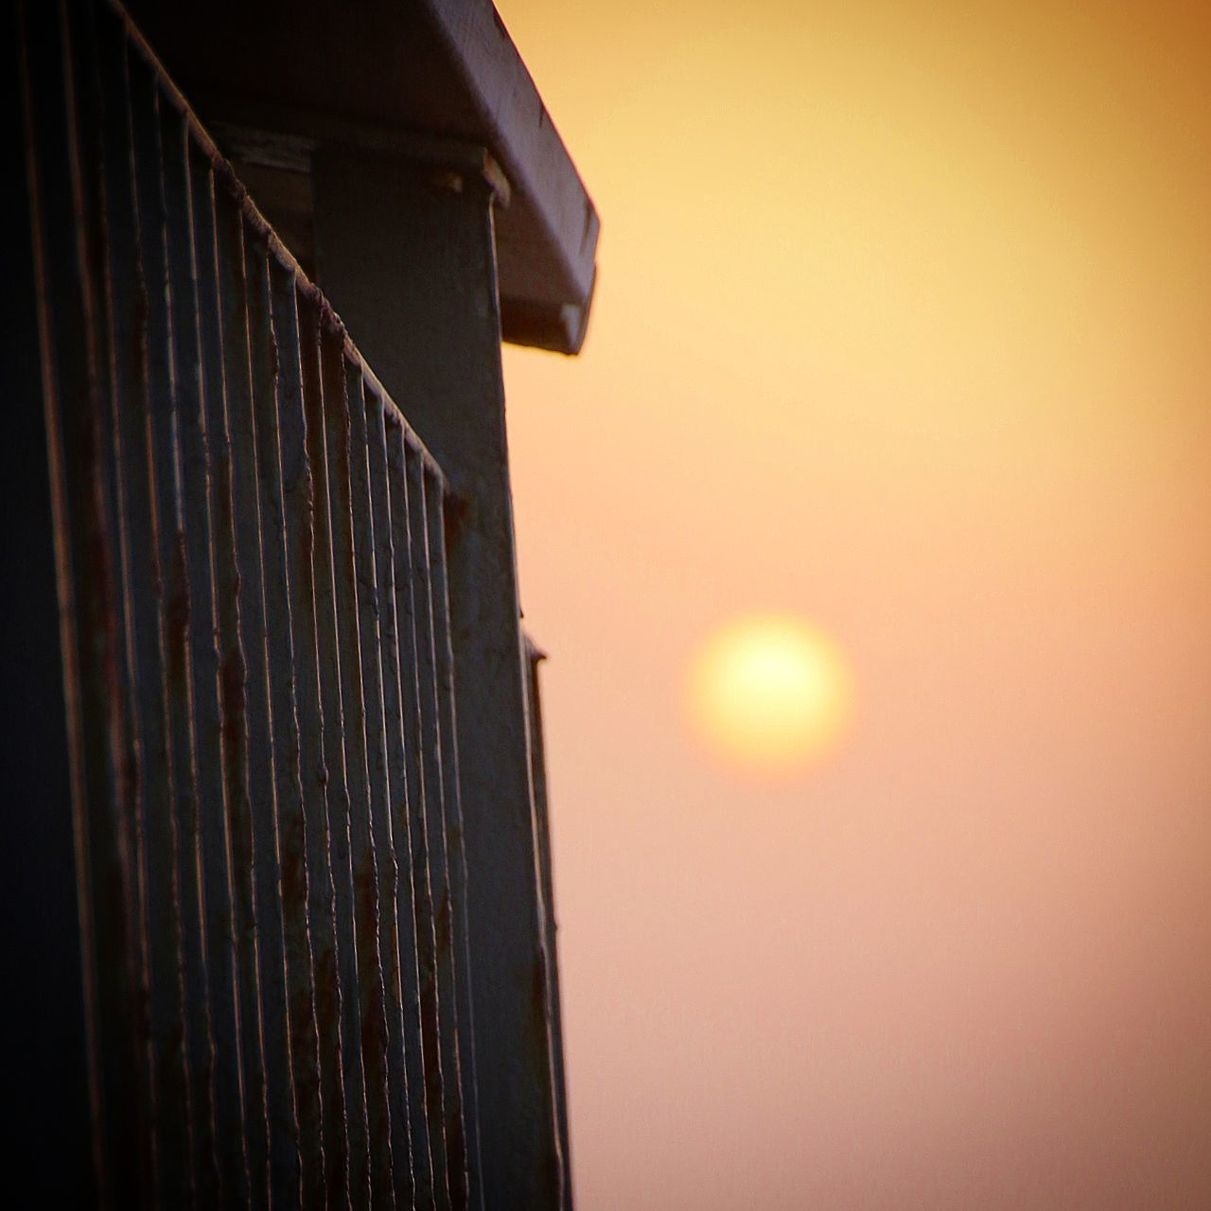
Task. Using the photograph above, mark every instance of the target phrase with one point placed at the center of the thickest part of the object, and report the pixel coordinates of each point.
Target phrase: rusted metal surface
(456, 858)
(155, 828)
(257, 718)
(400, 453)
(321, 378)
(386, 866)
(233, 735)
(196, 526)
(411, 263)
(401, 793)
(259, 671)
(426, 657)
(160, 352)
(279, 652)
(70, 325)
(298, 502)
(367, 906)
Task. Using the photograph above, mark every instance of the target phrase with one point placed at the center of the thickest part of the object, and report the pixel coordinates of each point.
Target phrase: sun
(771, 694)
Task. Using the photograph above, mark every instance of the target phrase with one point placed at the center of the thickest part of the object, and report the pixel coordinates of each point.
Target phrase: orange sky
(901, 325)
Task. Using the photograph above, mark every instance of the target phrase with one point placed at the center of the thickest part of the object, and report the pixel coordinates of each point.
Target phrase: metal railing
(258, 668)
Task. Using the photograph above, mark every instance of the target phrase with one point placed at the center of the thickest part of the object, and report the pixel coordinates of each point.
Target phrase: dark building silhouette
(278, 889)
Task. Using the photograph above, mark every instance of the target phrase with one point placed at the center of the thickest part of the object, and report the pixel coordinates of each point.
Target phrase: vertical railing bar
(208, 544)
(386, 867)
(189, 206)
(258, 719)
(210, 857)
(117, 940)
(147, 658)
(323, 379)
(395, 789)
(232, 695)
(67, 235)
(400, 457)
(456, 859)
(376, 767)
(428, 1100)
(297, 498)
(291, 827)
(172, 576)
(403, 772)
(435, 801)
(451, 834)
(542, 835)
(369, 944)
(395, 416)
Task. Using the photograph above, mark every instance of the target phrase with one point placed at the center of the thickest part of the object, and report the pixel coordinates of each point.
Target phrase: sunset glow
(901, 321)
(770, 694)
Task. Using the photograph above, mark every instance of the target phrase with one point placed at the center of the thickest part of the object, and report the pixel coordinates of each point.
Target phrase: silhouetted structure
(280, 897)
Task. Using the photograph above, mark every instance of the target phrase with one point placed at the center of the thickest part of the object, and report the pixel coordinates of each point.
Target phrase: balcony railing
(257, 658)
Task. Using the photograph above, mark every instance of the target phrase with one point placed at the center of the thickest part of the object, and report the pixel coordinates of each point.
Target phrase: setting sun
(770, 693)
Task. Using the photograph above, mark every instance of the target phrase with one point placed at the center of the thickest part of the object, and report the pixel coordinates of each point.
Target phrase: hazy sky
(901, 325)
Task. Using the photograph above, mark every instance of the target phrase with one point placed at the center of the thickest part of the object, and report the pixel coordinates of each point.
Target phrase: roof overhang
(429, 68)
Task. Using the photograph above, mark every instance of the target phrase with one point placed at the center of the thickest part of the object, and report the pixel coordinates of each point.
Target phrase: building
(278, 892)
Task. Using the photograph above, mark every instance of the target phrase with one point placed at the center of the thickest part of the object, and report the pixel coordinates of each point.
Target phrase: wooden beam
(443, 68)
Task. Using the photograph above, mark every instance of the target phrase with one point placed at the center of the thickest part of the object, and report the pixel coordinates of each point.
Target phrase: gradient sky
(902, 325)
